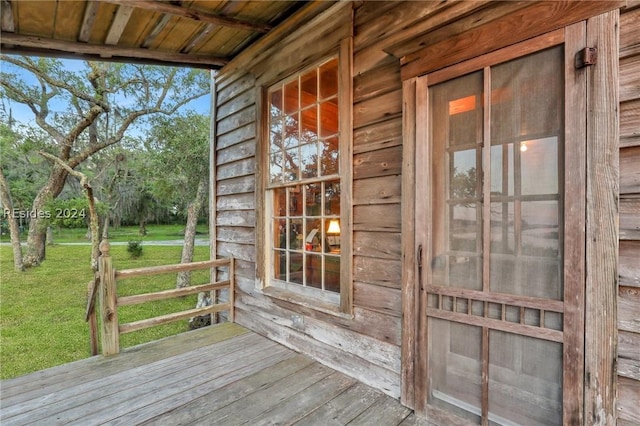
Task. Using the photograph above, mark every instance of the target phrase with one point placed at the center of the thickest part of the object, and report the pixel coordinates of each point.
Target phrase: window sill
(306, 302)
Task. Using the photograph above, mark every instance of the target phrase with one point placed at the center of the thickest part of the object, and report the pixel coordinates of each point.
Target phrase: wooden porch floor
(222, 375)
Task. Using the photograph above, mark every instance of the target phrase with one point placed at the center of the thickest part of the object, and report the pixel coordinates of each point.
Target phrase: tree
(181, 144)
(5, 198)
(87, 110)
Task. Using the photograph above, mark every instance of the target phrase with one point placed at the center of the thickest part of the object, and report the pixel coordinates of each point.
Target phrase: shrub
(135, 249)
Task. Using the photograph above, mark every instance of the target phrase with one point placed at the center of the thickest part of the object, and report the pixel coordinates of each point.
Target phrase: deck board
(223, 374)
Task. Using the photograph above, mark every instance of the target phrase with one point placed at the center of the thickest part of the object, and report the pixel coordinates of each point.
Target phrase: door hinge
(586, 57)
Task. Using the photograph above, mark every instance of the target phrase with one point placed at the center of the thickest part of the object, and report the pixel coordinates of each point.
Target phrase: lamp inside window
(333, 235)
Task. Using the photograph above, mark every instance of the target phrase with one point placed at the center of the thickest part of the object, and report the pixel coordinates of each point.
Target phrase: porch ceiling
(196, 33)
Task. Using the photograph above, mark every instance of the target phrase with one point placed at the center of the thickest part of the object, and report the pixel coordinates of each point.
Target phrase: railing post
(232, 289)
(108, 308)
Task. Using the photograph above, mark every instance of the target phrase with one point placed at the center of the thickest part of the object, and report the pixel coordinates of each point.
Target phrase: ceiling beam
(90, 11)
(15, 41)
(118, 25)
(7, 16)
(210, 18)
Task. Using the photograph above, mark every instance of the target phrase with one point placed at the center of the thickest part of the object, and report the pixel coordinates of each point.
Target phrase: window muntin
(303, 181)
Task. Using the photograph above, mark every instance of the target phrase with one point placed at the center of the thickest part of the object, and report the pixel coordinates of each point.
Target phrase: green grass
(42, 310)
(123, 233)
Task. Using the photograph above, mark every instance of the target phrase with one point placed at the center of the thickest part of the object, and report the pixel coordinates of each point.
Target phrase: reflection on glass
(309, 129)
(463, 230)
(275, 168)
(332, 273)
(309, 160)
(291, 136)
(539, 166)
(309, 88)
(502, 171)
(329, 79)
(502, 228)
(463, 179)
(329, 157)
(291, 97)
(332, 198)
(463, 272)
(540, 228)
(275, 103)
(292, 164)
(328, 118)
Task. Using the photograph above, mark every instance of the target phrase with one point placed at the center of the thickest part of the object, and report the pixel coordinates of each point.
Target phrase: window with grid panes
(303, 184)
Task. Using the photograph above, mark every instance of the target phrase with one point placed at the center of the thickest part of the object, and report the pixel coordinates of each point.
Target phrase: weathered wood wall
(629, 258)
(367, 345)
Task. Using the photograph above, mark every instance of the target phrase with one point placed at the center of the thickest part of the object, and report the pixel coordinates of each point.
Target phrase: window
(303, 188)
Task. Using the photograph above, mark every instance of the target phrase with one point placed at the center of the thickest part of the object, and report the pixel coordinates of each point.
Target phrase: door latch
(586, 57)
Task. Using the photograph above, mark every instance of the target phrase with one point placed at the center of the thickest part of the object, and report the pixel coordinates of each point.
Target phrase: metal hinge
(586, 57)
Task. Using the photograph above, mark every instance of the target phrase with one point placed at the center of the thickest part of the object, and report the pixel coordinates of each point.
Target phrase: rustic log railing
(103, 286)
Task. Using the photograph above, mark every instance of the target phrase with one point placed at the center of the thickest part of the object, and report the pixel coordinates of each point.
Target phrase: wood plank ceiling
(195, 33)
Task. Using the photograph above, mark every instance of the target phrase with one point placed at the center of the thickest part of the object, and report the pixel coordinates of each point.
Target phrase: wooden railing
(104, 288)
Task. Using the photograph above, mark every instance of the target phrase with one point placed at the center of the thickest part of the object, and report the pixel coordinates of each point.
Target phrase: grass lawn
(123, 233)
(42, 310)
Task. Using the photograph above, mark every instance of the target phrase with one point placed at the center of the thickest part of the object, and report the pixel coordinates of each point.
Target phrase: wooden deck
(223, 375)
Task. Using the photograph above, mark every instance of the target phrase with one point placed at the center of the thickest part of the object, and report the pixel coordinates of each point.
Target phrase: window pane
(329, 79)
(296, 235)
(463, 231)
(502, 228)
(292, 164)
(502, 171)
(463, 179)
(280, 202)
(332, 198)
(539, 164)
(314, 271)
(313, 201)
(291, 131)
(295, 200)
(280, 233)
(275, 166)
(291, 97)
(309, 89)
(309, 160)
(540, 230)
(275, 103)
(328, 118)
(280, 264)
(329, 157)
(315, 236)
(296, 269)
(332, 273)
(309, 129)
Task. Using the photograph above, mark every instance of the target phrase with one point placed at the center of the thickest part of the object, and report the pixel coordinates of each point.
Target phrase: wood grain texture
(629, 269)
(602, 231)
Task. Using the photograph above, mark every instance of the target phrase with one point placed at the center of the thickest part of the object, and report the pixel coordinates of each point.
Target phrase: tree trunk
(36, 239)
(193, 211)
(5, 197)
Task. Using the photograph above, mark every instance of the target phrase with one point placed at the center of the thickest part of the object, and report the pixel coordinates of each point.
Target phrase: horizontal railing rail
(104, 286)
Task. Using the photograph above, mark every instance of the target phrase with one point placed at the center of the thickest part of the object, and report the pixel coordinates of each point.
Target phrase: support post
(108, 308)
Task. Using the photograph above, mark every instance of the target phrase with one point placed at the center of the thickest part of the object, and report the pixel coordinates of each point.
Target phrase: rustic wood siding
(629, 256)
(366, 346)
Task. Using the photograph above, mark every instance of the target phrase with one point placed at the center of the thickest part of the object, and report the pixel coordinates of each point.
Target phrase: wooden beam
(135, 54)
(7, 17)
(90, 12)
(507, 30)
(601, 327)
(157, 29)
(118, 25)
(211, 18)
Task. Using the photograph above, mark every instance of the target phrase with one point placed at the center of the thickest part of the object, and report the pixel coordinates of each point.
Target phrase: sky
(22, 114)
